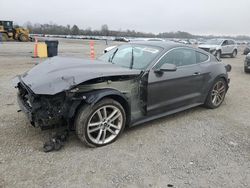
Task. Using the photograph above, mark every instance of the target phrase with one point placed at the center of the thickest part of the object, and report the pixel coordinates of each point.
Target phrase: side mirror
(167, 68)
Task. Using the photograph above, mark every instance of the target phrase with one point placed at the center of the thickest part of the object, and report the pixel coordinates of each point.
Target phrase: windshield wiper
(132, 59)
(112, 57)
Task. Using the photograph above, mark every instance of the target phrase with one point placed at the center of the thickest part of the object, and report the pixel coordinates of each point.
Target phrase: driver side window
(225, 43)
(178, 57)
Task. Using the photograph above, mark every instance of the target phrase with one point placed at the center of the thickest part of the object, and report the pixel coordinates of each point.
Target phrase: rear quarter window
(200, 57)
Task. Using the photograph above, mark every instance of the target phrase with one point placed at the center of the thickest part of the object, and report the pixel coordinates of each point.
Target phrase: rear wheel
(234, 54)
(246, 70)
(24, 38)
(216, 94)
(4, 37)
(101, 124)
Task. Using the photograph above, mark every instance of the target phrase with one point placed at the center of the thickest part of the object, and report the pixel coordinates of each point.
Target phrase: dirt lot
(195, 148)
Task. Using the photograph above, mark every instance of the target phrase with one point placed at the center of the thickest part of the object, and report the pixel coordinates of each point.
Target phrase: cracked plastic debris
(56, 142)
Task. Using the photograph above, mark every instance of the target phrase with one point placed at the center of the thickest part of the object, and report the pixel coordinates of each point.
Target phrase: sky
(204, 17)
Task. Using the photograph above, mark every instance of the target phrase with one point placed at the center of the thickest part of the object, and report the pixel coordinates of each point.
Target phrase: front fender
(91, 98)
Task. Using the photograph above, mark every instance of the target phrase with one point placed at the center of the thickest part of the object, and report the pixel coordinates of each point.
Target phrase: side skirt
(146, 119)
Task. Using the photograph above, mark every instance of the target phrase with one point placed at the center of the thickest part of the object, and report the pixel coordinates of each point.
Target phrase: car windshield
(131, 56)
(214, 41)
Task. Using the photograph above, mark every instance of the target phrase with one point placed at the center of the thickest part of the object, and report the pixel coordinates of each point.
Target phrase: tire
(4, 37)
(93, 131)
(246, 51)
(234, 54)
(23, 38)
(218, 54)
(216, 94)
(246, 70)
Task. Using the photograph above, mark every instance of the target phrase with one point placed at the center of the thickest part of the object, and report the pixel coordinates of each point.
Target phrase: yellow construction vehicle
(8, 32)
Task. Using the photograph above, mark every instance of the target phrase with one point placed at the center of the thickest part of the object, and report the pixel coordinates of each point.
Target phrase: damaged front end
(52, 91)
(42, 110)
(49, 111)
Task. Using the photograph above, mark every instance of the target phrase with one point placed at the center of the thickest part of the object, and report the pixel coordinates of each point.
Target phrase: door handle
(196, 74)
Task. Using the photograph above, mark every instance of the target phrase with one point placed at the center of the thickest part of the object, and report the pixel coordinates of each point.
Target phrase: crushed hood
(59, 74)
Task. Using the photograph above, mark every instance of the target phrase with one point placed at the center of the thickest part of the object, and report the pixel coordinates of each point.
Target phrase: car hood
(208, 46)
(59, 74)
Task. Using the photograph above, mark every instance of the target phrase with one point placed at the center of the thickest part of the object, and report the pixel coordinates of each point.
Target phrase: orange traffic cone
(92, 50)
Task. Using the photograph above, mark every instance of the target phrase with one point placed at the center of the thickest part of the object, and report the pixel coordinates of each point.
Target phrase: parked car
(108, 49)
(154, 39)
(247, 64)
(220, 47)
(121, 39)
(247, 50)
(147, 39)
(193, 41)
(129, 85)
(187, 42)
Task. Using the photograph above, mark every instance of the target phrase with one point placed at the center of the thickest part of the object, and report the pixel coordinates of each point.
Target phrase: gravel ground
(195, 148)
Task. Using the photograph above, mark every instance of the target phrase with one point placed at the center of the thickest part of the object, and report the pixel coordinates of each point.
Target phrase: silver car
(220, 47)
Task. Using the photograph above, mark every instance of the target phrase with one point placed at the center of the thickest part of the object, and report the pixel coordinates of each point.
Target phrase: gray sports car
(131, 84)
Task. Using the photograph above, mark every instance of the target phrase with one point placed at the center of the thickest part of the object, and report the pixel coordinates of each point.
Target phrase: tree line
(54, 29)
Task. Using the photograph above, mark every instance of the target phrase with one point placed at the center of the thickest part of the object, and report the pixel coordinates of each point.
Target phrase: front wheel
(4, 37)
(216, 94)
(101, 124)
(218, 55)
(24, 38)
(246, 70)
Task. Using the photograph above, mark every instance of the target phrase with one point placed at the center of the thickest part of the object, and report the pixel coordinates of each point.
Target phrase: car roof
(222, 39)
(162, 44)
(167, 45)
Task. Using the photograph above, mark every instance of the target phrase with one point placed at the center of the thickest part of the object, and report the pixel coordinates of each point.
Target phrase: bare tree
(75, 30)
(105, 30)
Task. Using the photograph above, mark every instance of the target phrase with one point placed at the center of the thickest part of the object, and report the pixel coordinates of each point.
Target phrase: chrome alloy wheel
(105, 124)
(218, 93)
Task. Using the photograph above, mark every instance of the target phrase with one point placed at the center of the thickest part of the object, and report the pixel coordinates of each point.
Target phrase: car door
(230, 46)
(172, 90)
(225, 48)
